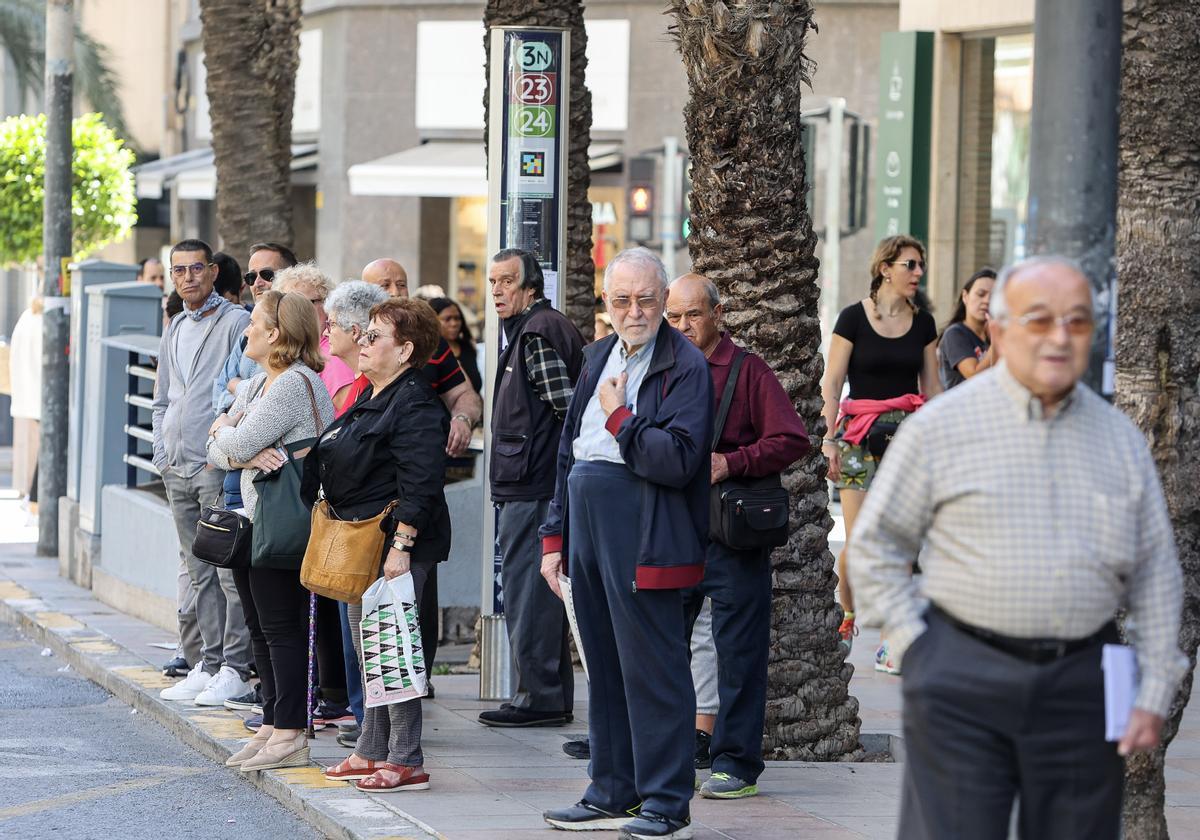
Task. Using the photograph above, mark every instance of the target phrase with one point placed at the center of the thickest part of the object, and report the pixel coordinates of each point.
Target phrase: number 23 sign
(535, 88)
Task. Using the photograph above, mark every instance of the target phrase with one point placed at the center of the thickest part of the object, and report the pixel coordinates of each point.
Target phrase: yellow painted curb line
(57, 621)
(11, 589)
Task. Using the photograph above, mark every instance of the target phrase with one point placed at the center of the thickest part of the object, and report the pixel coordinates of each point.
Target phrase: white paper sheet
(1120, 687)
(564, 584)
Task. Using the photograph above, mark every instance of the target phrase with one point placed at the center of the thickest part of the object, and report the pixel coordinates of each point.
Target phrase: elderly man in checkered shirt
(540, 358)
(1038, 514)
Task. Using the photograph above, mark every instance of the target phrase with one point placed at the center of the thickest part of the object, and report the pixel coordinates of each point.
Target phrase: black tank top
(882, 368)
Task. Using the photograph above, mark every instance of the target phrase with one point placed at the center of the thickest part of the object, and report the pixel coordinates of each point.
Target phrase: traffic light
(641, 199)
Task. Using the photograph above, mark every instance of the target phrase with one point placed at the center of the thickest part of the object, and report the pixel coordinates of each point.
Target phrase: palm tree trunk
(1158, 263)
(251, 51)
(751, 234)
(579, 294)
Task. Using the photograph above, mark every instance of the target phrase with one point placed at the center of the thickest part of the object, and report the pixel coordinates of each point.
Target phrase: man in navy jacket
(630, 512)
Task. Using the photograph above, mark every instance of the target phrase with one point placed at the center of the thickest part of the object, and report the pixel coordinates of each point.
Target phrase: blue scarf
(213, 301)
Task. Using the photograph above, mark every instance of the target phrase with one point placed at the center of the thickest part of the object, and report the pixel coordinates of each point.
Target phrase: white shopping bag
(393, 659)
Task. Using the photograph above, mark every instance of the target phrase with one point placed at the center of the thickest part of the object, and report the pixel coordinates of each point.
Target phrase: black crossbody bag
(745, 513)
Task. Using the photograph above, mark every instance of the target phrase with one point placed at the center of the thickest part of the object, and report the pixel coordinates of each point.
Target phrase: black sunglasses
(911, 265)
(267, 274)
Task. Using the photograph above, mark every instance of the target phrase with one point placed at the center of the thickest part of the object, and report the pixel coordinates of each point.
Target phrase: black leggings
(276, 608)
(331, 663)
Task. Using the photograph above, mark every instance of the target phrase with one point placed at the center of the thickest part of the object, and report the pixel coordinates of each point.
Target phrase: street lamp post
(56, 253)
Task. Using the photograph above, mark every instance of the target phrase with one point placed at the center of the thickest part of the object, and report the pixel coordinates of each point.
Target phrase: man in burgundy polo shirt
(763, 435)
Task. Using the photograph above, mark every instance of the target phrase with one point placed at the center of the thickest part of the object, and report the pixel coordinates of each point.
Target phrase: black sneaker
(584, 816)
(649, 825)
(348, 737)
(246, 702)
(703, 758)
(177, 667)
(253, 723)
(512, 716)
(329, 714)
(578, 749)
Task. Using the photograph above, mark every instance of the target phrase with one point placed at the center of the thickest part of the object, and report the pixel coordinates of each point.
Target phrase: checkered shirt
(1027, 525)
(548, 374)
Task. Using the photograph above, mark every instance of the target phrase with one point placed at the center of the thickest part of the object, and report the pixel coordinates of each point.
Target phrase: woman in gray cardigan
(285, 403)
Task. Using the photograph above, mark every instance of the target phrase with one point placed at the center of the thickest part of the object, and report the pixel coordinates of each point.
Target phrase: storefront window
(1013, 102)
(468, 250)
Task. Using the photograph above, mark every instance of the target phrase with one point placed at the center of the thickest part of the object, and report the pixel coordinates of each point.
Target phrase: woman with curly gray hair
(348, 309)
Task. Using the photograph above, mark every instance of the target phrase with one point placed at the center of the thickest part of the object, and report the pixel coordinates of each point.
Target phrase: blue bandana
(214, 300)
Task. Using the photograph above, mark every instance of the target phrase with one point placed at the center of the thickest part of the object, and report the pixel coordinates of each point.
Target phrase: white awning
(444, 169)
(193, 174)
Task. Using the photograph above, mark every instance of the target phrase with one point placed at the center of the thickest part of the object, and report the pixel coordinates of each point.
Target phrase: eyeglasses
(622, 303)
(911, 265)
(1040, 323)
(194, 268)
(267, 274)
(370, 337)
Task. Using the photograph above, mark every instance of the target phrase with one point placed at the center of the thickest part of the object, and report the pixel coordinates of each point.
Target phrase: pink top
(337, 375)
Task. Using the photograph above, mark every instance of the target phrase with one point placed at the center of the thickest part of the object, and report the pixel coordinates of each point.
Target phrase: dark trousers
(537, 622)
(982, 727)
(641, 702)
(276, 608)
(739, 583)
(331, 667)
(354, 687)
(428, 614)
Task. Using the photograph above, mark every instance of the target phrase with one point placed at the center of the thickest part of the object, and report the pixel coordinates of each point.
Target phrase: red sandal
(344, 771)
(391, 778)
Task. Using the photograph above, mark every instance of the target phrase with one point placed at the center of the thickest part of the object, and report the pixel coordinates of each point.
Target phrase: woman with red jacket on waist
(887, 348)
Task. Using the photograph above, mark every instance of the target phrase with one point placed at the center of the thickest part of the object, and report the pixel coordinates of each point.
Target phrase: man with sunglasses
(193, 348)
(1037, 512)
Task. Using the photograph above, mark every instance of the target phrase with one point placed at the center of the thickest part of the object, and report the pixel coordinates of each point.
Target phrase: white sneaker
(189, 686)
(225, 685)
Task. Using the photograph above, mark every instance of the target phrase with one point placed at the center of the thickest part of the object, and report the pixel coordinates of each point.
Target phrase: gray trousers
(219, 616)
(190, 643)
(390, 733)
(982, 728)
(704, 662)
(537, 621)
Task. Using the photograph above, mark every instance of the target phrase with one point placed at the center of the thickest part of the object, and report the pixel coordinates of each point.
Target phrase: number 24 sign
(535, 88)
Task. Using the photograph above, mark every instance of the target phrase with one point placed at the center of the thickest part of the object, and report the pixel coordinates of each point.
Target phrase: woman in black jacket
(390, 446)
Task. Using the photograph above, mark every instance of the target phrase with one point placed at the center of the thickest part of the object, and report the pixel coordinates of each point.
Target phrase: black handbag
(745, 513)
(879, 436)
(282, 520)
(222, 537)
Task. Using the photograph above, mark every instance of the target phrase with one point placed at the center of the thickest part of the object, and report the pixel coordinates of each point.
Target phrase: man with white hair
(1037, 513)
(630, 512)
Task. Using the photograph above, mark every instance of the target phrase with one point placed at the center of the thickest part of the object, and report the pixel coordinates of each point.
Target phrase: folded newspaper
(564, 584)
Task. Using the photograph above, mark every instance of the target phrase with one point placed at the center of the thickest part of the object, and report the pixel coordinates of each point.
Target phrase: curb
(329, 807)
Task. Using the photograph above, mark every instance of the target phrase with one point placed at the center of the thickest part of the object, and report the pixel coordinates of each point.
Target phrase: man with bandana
(192, 352)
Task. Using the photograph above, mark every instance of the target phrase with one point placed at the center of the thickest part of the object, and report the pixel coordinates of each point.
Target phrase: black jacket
(525, 430)
(388, 449)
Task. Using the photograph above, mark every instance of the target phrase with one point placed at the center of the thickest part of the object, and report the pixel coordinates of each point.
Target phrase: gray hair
(642, 258)
(305, 274)
(998, 305)
(710, 290)
(350, 304)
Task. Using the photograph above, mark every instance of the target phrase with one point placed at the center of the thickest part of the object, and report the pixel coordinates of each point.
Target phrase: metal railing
(139, 400)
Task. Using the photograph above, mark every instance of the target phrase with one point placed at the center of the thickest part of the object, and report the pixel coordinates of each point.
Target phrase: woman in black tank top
(886, 347)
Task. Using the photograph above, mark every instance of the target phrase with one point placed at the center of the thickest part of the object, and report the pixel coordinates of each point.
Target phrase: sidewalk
(487, 783)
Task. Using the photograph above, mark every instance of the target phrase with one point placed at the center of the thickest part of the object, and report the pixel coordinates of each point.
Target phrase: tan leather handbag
(343, 556)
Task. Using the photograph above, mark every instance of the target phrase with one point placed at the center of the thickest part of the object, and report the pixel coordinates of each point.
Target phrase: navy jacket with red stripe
(666, 445)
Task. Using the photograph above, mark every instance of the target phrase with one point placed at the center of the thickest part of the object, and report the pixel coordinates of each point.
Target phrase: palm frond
(23, 34)
(22, 25)
(99, 83)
